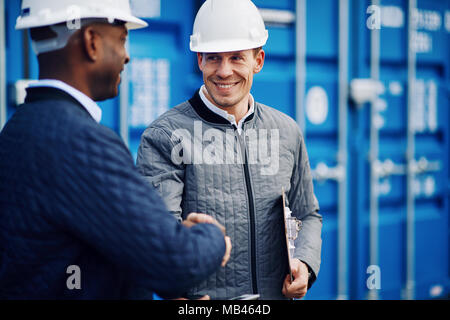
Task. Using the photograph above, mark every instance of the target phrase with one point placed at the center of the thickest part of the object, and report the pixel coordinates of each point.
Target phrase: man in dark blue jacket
(77, 221)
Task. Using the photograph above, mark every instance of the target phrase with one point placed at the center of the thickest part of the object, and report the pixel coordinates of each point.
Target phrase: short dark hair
(256, 51)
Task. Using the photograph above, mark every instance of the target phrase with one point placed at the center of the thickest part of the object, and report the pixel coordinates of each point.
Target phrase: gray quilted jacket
(200, 163)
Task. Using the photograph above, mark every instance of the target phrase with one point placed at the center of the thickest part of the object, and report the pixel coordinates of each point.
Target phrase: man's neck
(238, 111)
(79, 85)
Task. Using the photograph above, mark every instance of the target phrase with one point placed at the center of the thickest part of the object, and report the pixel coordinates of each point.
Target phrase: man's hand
(195, 218)
(227, 255)
(298, 288)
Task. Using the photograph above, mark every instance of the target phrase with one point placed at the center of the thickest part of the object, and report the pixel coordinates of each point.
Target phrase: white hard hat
(41, 13)
(228, 25)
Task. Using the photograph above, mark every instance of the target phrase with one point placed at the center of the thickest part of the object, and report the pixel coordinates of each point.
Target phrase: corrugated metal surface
(363, 157)
(322, 130)
(2, 65)
(429, 142)
(161, 72)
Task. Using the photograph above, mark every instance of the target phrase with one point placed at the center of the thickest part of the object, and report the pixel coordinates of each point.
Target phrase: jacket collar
(206, 114)
(37, 94)
(87, 103)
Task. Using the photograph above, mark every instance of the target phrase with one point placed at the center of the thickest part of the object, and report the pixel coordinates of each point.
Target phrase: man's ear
(260, 58)
(200, 60)
(91, 42)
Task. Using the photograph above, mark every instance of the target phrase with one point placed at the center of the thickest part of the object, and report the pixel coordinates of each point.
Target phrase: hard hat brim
(132, 22)
(226, 46)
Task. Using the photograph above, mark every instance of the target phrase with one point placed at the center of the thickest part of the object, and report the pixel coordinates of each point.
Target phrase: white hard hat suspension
(65, 17)
(63, 32)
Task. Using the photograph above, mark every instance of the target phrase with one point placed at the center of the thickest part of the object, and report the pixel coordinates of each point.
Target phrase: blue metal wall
(322, 130)
(163, 72)
(429, 111)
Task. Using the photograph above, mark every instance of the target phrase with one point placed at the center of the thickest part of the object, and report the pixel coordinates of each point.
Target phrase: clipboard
(283, 199)
(288, 229)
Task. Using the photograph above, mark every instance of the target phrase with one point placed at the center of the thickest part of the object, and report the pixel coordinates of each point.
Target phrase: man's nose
(127, 58)
(225, 69)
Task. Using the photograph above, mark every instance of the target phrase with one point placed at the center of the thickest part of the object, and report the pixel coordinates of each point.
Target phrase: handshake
(196, 218)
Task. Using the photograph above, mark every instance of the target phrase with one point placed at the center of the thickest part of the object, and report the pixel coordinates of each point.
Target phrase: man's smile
(225, 85)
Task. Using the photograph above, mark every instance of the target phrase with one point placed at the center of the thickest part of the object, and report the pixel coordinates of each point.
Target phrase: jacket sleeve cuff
(311, 275)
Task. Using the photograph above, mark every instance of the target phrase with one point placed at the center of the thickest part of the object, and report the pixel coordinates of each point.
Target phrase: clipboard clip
(293, 226)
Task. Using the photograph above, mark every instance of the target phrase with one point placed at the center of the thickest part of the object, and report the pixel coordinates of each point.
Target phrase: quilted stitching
(70, 195)
(220, 190)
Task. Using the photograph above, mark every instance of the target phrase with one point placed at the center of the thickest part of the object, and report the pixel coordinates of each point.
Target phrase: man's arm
(111, 208)
(156, 166)
(305, 207)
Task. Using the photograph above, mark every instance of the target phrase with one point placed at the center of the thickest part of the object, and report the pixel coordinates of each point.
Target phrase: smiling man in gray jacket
(224, 154)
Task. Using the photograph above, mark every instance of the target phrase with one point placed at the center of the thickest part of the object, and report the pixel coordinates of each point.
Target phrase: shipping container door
(321, 107)
(159, 75)
(400, 152)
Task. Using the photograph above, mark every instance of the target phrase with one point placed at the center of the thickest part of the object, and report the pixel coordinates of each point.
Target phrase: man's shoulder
(65, 139)
(61, 122)
(56, 112)
(175, 118)
(277, 119)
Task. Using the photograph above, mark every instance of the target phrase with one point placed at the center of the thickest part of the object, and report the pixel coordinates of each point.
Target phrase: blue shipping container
(367, 81)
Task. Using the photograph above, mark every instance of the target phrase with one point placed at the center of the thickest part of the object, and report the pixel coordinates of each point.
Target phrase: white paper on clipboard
(291, 228)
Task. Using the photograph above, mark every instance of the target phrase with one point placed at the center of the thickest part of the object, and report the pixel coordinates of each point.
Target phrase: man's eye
(236, 58)
(212, 58)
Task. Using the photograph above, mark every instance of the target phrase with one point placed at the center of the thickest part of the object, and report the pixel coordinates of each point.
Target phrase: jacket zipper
(251, 211)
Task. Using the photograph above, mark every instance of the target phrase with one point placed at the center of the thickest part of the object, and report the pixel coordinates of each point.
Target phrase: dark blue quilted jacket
(70, 195)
